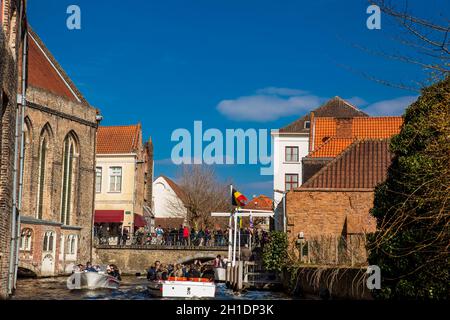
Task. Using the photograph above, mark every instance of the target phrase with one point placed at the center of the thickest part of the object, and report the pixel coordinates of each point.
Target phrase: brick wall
(9, 80)
(58, 117)
(317, 213)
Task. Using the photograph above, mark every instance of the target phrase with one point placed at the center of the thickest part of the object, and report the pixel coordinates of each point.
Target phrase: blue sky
(169, 63)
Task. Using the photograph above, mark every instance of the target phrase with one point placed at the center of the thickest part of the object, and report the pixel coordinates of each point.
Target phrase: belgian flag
(237, 198)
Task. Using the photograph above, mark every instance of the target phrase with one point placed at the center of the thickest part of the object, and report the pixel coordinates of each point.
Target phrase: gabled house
(169, 203)
(123, 188)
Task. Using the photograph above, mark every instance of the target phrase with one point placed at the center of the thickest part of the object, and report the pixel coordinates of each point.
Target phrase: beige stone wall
(59, 117)
(133, 260)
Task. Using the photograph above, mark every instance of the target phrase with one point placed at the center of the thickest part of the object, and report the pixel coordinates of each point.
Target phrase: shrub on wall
(275, 251)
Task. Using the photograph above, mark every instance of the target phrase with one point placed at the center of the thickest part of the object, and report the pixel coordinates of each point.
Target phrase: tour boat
(181, 287)
(92, 281)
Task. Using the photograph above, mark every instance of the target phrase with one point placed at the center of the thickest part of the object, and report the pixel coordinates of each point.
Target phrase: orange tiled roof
(118, 139)
(324, 128)
(331, 148)
(261, 202)
(376, 127)
(44, 72)
(324, 142)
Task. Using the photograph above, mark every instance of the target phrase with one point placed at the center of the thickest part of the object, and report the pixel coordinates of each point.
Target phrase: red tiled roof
(331, 148)
(324, 140)
(44, 72)
(118, 139)
(362, 165)
(261, 202)
(335, 107)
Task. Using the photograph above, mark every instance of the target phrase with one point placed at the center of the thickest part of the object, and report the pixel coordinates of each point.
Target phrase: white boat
(92, 281)
(182, 289)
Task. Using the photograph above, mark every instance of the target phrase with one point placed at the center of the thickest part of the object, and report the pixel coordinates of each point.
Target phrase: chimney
(312, 126)
(344, 127)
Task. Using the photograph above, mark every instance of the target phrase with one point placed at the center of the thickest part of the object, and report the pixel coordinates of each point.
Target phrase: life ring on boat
(199, 279)
(177, 279)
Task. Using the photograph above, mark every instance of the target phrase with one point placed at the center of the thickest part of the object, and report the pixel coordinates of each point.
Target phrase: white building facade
(169, 209)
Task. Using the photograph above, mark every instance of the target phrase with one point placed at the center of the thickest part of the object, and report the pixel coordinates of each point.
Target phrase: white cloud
(269, 104)
(281, 91)
(357, 101)
(391, 107)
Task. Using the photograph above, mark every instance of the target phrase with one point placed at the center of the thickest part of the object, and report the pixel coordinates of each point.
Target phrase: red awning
(139, 221)
(108, 216)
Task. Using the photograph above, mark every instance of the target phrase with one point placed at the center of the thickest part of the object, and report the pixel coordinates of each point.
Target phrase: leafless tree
(202, 194)
(423, 43)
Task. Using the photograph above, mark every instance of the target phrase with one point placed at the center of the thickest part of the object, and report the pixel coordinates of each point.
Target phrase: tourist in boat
(208, 273)
(153, 270)
(114, 271)
(177, 271)
(89, 267)
(162, 273)
(194, 272)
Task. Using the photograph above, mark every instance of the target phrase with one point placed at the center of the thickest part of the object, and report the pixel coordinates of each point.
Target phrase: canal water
(131, 288)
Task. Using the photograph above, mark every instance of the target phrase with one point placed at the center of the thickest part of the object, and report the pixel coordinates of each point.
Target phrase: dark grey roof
(335, 107)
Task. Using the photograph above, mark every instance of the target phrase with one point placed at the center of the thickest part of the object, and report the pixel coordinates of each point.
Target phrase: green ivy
(275, 251)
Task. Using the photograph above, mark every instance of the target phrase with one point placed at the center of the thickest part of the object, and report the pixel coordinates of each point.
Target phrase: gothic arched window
(25, 239)
(43, 148)
(68, 174)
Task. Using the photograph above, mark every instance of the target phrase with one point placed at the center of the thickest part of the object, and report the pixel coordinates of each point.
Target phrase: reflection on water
(131, 288)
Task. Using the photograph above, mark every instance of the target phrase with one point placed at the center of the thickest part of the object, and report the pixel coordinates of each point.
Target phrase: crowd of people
(183, 236)
(197, 269)
(111, 269)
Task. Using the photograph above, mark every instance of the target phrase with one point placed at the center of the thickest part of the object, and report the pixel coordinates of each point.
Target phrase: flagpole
(230, 237)
(239, 248)
(234, 240)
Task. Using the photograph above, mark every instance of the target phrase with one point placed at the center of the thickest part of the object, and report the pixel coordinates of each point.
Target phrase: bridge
(133, 259)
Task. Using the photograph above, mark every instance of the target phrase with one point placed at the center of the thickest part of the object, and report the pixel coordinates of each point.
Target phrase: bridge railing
(174, 241)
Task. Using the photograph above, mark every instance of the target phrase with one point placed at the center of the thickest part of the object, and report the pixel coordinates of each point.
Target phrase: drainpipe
(22, 146)
(284, 213)
(98, 119)
(15, 216)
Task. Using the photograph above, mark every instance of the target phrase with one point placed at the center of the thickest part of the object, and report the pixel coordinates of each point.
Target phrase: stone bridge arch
(26, 269)
(137, 259)
(198, 256)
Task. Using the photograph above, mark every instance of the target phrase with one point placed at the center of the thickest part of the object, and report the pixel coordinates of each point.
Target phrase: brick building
(59, 168)
(124, 174)
(292, 142)
(13, 28)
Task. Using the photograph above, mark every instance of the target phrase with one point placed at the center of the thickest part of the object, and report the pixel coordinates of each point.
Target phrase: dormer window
(307, 124)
